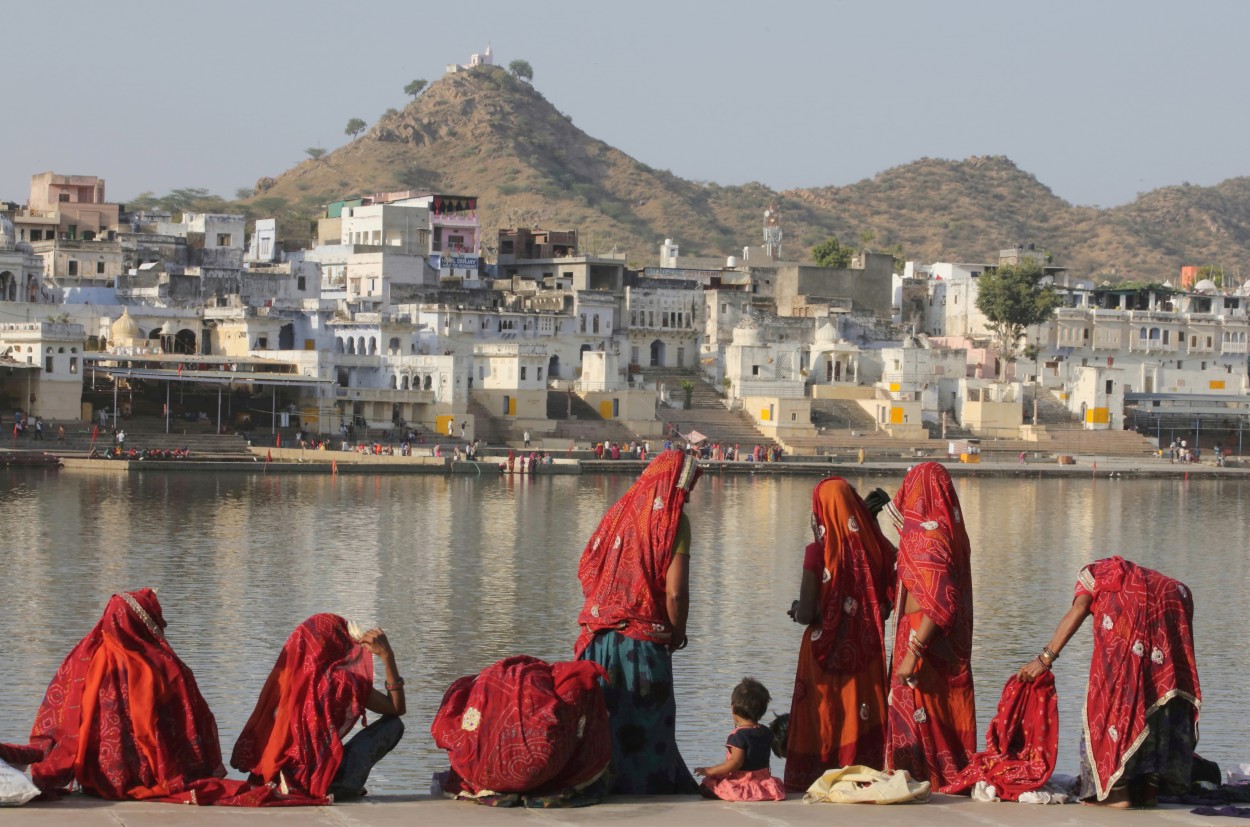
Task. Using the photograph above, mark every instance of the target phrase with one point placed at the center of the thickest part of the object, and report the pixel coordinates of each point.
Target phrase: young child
(744, 775)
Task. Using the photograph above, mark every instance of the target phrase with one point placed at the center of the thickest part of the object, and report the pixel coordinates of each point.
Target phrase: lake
(462, 571)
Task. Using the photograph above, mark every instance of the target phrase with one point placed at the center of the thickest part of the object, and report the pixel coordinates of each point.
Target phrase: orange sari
(838, 714)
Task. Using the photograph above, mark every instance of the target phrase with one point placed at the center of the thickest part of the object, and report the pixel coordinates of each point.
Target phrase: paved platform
(382, 811)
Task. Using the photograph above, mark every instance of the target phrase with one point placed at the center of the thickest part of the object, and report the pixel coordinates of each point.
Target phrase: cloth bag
(15, 788)
(858, 784)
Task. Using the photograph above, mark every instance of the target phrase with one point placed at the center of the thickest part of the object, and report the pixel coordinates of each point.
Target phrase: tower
(772, 232)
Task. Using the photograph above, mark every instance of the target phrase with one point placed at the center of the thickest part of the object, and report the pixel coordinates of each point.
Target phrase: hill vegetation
(488, 133)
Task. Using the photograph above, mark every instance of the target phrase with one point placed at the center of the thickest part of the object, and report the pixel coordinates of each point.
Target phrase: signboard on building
(440, 261)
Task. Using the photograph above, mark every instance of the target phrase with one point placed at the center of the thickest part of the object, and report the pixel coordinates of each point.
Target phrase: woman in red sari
(1140, 720)
(838, 714)
(123, 717)
(634, 574)
(932, 718)
(320, 686)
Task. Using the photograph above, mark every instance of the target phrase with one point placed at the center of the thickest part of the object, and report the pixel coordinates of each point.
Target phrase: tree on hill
(315, 152)
(522, 69)
(832, 253)
(354, 127)
(1013, 298)
(415, 88)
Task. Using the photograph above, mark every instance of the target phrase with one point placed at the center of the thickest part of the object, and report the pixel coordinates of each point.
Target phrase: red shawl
(857, 586)
(123, 715)
(525, 726)
(1022, 743)
(1143, 658)
(625, 564)
(314, 695)
(934, 556)
(19, 755)
(932, 725)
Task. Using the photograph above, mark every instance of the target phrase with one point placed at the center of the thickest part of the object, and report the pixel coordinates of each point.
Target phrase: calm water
(464, 571)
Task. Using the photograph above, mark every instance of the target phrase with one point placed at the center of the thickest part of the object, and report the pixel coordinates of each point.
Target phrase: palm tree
(687, 388)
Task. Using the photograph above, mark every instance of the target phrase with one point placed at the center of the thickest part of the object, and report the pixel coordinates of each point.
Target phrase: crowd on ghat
(124, 719)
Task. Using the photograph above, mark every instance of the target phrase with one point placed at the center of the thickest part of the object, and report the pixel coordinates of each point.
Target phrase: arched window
(338, 344)
(403, 385)
(394, 382)
(428, 383)
(373, 345)
(583, 323)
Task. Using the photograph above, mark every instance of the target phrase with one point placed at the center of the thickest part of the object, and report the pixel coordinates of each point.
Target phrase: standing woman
(838, 715)
(634, 574)
(1140, 719)
(933, 721)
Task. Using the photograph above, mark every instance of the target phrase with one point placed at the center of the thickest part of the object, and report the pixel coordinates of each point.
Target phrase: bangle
(1044, 664)
(398, 684)
(1050, 654)
(915, 645)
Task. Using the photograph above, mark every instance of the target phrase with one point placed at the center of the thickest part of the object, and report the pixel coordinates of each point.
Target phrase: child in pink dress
(744, 775)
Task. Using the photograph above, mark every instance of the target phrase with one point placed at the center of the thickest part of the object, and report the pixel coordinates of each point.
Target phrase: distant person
(526, 437)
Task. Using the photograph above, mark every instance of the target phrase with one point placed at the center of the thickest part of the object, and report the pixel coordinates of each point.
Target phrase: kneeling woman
(1140, 718)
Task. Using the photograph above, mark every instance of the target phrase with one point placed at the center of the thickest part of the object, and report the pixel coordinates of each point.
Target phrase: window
(299, 283)
(99, 268)
(62, 197)
(1110, 387)
(73, 267)
(505, 248)
(223, 239)
(48, 364)
(539, 374)
(523, 372)
(755, 370)
(73, 364)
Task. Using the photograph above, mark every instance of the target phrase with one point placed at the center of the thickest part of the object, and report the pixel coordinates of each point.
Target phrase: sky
(1099, 101)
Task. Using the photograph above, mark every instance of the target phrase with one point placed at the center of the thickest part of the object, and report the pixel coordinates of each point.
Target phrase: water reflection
(463, 571)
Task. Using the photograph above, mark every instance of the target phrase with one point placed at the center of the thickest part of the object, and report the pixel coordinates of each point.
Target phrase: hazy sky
(1098, 100)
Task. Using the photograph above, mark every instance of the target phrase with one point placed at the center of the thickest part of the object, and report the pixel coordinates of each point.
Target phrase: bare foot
(1117, 799)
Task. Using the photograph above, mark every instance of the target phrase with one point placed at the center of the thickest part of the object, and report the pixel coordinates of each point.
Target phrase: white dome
(748, 332)
(1205, 286)
(826, 333)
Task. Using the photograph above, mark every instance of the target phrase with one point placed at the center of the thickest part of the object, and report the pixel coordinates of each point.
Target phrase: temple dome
(125, 330)
(748, 332)
(826, 334)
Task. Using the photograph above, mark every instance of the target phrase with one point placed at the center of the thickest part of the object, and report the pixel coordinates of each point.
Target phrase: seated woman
(320, 686)
(526, 732)
(123, 717)
(1141, 708)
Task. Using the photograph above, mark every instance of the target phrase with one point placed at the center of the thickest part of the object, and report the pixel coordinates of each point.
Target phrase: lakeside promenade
(689, 811)
(297, 461)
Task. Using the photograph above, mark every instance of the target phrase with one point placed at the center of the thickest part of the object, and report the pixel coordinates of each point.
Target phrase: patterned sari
(625, 626)
(933, 725)
(524, 731)
(124, 718)
(838, 715)
(1141, 707)
(314, 695)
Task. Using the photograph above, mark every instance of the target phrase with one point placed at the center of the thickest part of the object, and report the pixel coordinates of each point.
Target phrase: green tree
(315, 152)
(354, 127)
(244, 192)
(522, 69)
(415, 88)
(831, 253)
(687, 389)
(1013, 297)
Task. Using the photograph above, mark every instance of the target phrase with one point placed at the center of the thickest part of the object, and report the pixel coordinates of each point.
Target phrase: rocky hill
(488, 134)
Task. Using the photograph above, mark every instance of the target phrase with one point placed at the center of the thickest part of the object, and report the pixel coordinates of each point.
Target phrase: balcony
(391, 395)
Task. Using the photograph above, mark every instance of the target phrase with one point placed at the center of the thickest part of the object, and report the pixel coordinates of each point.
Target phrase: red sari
(312, 698)
(123, 716)
(933, 725)
(624, 567)
(1143, 658)
(1022, 743)
(838, 715)
(524, 727)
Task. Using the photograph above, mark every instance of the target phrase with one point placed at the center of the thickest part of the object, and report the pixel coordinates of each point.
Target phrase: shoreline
(386, 810)
(296, 461)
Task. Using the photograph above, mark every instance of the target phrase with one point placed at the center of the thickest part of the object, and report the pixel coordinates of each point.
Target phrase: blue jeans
(364, 750)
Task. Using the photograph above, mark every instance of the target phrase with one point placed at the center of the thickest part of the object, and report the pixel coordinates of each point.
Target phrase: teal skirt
(643, 713)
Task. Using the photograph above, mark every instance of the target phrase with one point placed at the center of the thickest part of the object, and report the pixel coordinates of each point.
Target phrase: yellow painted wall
(1217, 384)
(442, 421)
(1097, 416)
(896, 416)
(605, 409)
(511, 406)
(895, 387)
(765, 415)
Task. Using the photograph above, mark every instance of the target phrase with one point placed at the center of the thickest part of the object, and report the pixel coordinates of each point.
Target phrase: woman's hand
(1031, 671)
(375, 641)
(700, 771)
(906, 671)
